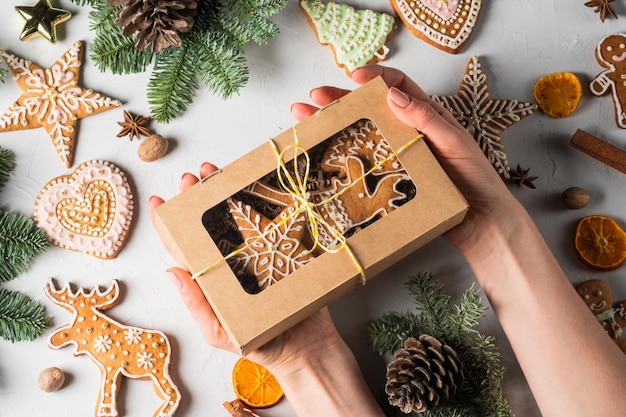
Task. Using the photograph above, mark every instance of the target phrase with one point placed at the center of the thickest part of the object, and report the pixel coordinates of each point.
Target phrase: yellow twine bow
(295, 186)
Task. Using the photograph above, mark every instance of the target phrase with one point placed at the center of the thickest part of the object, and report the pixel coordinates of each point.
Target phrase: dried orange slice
(558, 94)
(255, 385)
(600, 243)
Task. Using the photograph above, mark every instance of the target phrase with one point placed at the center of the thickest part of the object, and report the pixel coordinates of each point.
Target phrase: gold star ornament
(42, 20)
(51, 98)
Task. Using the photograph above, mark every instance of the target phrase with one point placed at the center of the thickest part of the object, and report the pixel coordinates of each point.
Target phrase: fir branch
(21, 317)
(7, 165)
(3, 72)
(222, 69)
(172, 84)
(262, 29)
(20, 241)
(467, 315)
(387, 333)
(87, 2)
(113, 51)
(430, 298)
(102, 18)
(481, 393)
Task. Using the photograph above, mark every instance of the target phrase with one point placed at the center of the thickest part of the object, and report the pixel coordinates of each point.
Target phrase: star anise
(521, 177)
(134, 126)
(602, 7)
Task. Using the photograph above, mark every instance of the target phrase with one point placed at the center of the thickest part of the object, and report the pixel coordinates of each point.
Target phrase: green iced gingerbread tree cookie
(357, 37)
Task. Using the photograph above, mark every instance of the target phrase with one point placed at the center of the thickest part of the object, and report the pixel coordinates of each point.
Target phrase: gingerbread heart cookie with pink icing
(88, 211)
(445, 24)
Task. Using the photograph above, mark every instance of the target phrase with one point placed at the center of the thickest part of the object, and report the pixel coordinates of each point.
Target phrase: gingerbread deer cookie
(611, 55)
(118, 350)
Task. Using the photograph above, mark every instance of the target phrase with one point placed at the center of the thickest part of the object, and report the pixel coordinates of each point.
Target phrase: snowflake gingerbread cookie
(117, 349)
(51, 98)
(485, 118)
(89, 211)
(445, 24)
(357, 37)
(271, 249)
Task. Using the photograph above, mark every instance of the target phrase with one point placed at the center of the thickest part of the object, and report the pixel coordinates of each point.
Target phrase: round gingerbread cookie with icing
(357, 37)
(89, 211)
(445, 24)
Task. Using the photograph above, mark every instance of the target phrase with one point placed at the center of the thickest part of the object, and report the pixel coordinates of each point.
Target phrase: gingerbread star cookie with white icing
(357, 37)
(445, 24)
(89, 211)
(485, 118)
(51, 98)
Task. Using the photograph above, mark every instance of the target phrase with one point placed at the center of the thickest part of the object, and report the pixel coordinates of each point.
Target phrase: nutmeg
(152, 148)
(51, 379)
(575, 197)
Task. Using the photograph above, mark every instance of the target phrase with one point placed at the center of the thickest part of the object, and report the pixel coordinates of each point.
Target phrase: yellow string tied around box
(295, 186)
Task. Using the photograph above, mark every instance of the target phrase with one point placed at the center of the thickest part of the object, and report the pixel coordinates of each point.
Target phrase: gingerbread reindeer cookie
(117, 349)
(611, 55)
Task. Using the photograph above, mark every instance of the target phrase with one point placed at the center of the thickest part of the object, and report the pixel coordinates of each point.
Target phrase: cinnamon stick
(600, 150)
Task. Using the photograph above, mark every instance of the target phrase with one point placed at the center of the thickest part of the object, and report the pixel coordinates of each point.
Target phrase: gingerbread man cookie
(599, 298)
(117, 349)
(611, 55)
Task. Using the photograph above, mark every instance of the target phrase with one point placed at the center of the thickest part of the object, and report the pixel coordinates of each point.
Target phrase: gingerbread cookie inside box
(270, 243)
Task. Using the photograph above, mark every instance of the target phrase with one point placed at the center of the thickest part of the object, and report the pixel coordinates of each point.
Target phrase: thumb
(444, 135)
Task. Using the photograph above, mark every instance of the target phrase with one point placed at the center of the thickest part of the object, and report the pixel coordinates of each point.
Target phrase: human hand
(454, 147)
(313, 338)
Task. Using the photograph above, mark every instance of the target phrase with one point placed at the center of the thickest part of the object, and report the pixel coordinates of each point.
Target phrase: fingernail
(182, 177)
(174, 279)
(399, 98)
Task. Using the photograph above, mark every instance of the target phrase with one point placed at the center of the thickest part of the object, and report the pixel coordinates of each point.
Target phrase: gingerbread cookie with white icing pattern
(357, 37)
(117, 349)
(445, 24)
(52, 99)
(89, 211)
(611, 55)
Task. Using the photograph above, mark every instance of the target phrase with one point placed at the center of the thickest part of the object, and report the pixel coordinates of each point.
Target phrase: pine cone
(422, 375)
(156, 22)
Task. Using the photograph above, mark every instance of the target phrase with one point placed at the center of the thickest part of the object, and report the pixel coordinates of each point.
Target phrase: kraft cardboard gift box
(254, 319)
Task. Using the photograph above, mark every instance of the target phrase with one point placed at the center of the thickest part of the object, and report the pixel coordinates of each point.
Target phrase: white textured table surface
(518, 42)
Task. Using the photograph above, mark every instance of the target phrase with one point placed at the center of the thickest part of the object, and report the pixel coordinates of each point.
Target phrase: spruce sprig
(20, 241)
(481, 393)
(3, 72)
(21, 317)
(212, 54)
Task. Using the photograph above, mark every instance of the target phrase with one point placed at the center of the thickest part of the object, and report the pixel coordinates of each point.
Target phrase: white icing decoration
(52, 99)
(262, 239)
(483, 117)
(69, 220)
(447, 24)
(357, 36)
(102, 343)
(151, 363)
(132, 335)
